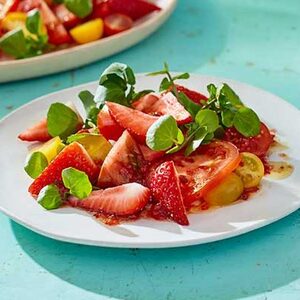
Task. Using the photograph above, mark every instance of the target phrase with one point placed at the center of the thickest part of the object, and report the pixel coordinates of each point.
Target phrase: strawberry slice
(123, 164)
(165, 187)
(122, 200)
(73, 155)
(135, 9)
(136, 122)
(193, 95)
(166, 104)
(107, 126)
(150, 155)
(37, 133)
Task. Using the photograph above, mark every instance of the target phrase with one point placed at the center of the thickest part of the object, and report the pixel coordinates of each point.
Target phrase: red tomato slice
(116, 23)
(259, 145)
(101, 9)
(58, 35)
(205, 168)
(67, 18)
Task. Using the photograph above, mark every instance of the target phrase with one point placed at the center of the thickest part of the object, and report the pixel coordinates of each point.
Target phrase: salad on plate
(32, 27)
(147, 154)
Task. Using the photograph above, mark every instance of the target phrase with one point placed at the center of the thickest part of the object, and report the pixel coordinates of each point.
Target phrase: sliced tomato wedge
(258, 145)
(116, 23)
(205, 168)
(67, 18)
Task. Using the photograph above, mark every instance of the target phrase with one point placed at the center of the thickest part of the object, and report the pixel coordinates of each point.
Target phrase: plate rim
(149, 244)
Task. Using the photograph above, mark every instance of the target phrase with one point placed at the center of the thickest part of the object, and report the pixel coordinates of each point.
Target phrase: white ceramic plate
(84, 54)
(275, 200)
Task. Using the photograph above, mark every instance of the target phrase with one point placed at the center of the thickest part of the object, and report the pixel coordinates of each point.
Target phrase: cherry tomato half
(116, 23)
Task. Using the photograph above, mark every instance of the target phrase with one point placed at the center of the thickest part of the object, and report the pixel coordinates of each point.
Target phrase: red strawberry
(150, 155)
(193, 95)
(135, 9)
(164, 185)
(166, 104)
(107, 126)
(136, 122)
(122, 164)
(74, 155)
(122, 200)
(37, 133)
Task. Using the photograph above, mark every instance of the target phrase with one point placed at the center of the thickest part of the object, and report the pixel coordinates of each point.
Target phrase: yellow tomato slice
(251, 170)
(51, 148)
(14, 20)
(96, 145)
(228, 191)
(88, 32)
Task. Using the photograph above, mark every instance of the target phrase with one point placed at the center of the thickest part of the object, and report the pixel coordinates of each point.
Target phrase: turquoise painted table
(252, 41)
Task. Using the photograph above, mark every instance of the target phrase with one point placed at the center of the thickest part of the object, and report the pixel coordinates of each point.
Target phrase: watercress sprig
(117, 84)
(223, 109)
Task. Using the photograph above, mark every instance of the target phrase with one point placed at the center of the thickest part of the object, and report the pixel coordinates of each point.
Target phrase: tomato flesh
(205, 168)
(258, 145)
(116, 23)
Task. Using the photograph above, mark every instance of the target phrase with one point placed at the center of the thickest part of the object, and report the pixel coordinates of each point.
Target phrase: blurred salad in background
(32, 27)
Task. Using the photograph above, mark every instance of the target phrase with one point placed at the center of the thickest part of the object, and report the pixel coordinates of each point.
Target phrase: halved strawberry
(122, 200)
(123, 164)
(165, 187)
(166, 104)
(107, 126)
(37, 133)
(193, 95)
(133, 8)
(73, 155)
(150, 155)
(136, 122)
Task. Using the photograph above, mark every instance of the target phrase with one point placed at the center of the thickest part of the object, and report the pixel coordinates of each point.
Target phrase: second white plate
(275, 200)
(84, 54)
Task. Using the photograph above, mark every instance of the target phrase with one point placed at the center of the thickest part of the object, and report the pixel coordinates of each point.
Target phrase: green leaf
(14, 43)
(116, 84)
(196, 141)
(219, 133)
(208, 138)
(62, 121)
(81, 8)
(49, 197)
(212, 90)
(188, 104)
(207, 118)
(34, 22)
(77, 182)
(227, 117)
(180, 137)
(230, 95)
(162, 134)
(92, 111)
(35, 164)
(165, 84)
(182, 76)
(130, 76)
(247, 122)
